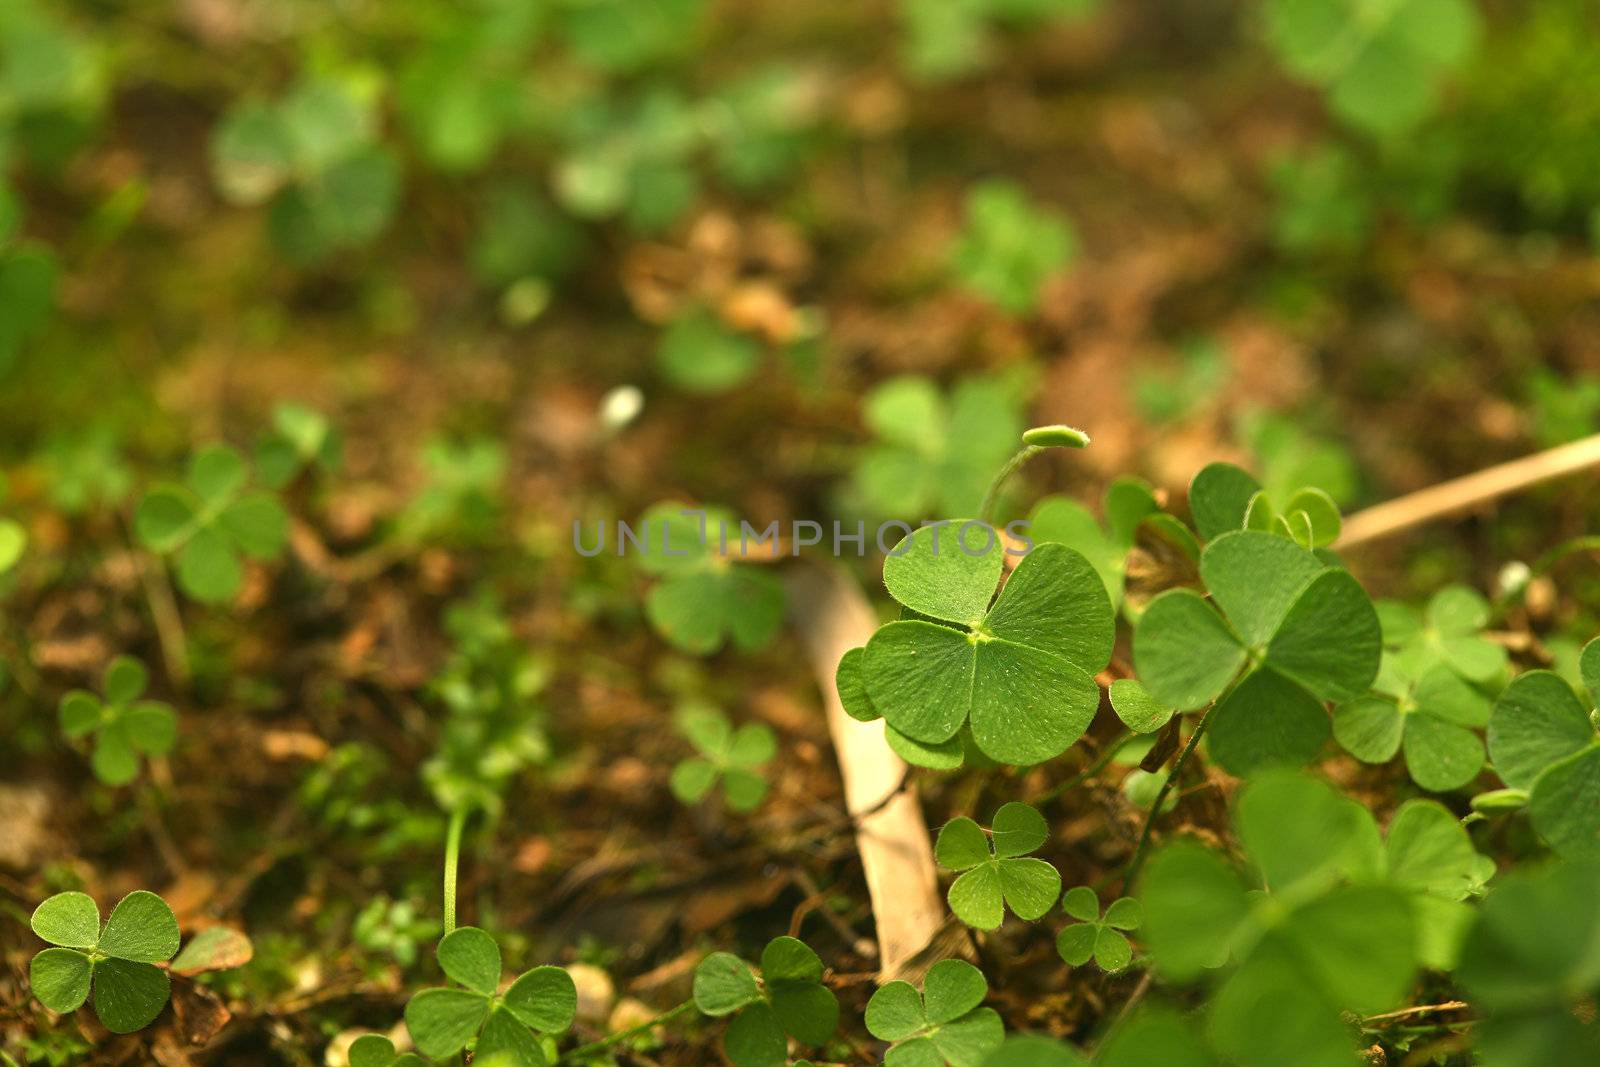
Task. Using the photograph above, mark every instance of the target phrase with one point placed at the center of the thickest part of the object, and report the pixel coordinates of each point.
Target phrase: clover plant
(1126, 505)
(1096, 936)
(1381, 64)
(116, 964)
(123, 726)
(1532, 968)
(463, 495)
(1431, 714)
(943, 1025)
(1449, 631)
(705, 596)
(729, 757)
(1033, 1050)
(207, 523)
(1011, 246)
(996, 868)
(301, 437)
(934, 454)
(393, 928)
(1281, 633)
(1017, 674)
(700, 354)
(86, 471)
(1543, 743)
(1223, 498)
(473, 1013)
(787, 1000)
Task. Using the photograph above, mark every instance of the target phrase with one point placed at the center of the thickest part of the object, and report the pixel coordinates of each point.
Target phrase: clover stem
(622, 1035)
(452, 860)
(1155, 809)
(992, 497)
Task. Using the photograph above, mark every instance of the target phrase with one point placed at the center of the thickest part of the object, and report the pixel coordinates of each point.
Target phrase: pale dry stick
(1467, 492)
(833, 616)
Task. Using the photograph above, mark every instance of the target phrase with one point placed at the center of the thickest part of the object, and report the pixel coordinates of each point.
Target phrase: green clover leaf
(1449, 631)
(851, 682)
(1432, 715)
(1011, 245)
(1282, 633)
(1095, 936)
(209, 521)
(1032, 1050)
(934, 454)
(996, 868)
(1223, 498)
(1019, 674)
(375, 1050)
(1429, 853)
(699, 354)
(1138, 710)
(301, 437)
(123, 726)
(1543, 741)
(116, 964)
(705, 596)
(943, 1025)
(789, 1000)
(732, 757)
(444, 1020)
(1126, 504)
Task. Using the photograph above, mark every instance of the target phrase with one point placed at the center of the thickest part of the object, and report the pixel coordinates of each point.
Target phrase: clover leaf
(996, 868)
(1428, 854)
(1448, 631)
(116, 964)
(851, 682)
(1432, 715)
(208, 522)
(788, 1000)
(124, 727)
(704, 596)
(300, 437)
(1096, 936)
(1032, 1050)
(1019, 674)
(463, 492)
(375, 1050)
(1127, 503)
(732, 757)
(1282, 633)
(1542, 740)
(1011, 245)
(934, 454)
(700, 354)
(1223, 497)
(1380, 64)
(1529, 964)
(1138, 710)
(942, 1025)
(443, 1021)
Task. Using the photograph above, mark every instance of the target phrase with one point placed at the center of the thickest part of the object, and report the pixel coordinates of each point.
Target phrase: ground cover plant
(979, 533)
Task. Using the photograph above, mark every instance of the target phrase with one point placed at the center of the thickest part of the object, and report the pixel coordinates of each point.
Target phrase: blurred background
(458, 274)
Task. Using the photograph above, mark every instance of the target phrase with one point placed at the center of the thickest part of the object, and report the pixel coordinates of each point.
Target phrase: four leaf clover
(1019, 675)
(789, 1000)
(1282, 633)
(124, 727)
(443, 1021)
(1096, 936)
(1542, 741)
(942, 1025)
(732, 757)
(704, 597)
(996, 868)
(115, 964)
(209, 521)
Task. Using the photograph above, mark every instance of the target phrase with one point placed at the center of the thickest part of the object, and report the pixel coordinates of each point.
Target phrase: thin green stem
(622, 1035)
(1097, 765)
(1155, 809)
(992, 498)
(452, 860)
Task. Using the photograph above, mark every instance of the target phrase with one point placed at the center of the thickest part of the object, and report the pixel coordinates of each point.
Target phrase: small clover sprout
(1528, 963)
(942, 1025)
(1223, 498)
(1450, 631)
(700, 354)
(1542, 741)
(1128, 502)
(788, 1000)
(732, 757)
(115, 964)
(1380, 67)
(375, 1050)
(996, 868)
(1432, 715)
(301, 437)
(209, 521)
(934, 454)
(445, 1020)
(1019, 674)
(1011, 245)
(705, 595)
(124, 727)
(1095, 936)
(1282, 633)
